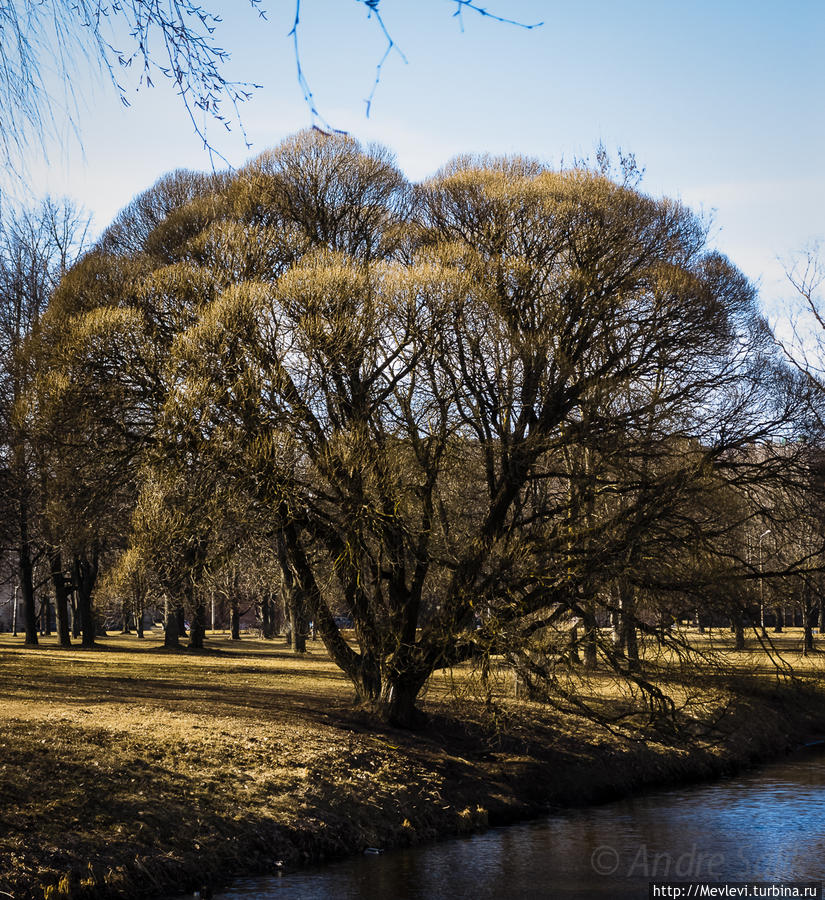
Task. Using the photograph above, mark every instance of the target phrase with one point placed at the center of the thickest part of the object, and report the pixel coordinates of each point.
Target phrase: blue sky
(722, 102)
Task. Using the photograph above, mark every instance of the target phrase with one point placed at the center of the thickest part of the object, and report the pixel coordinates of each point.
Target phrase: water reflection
(766, 826)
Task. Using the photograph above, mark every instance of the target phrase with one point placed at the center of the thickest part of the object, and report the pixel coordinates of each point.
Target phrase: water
(768, 825)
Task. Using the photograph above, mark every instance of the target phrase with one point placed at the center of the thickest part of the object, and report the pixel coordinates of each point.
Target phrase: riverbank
(131, 771)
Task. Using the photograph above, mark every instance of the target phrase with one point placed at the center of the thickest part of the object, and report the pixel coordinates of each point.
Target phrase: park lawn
(130, 769)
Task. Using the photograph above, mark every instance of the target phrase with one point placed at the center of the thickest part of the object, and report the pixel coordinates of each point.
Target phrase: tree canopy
(480, 416)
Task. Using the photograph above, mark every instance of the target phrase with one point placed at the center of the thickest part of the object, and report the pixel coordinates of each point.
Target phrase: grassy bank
(130, 770)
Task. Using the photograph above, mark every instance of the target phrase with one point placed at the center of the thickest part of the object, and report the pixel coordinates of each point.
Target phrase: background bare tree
(805, 349)
(37, 247)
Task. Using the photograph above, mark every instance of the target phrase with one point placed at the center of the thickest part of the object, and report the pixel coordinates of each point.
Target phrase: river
(765, 826)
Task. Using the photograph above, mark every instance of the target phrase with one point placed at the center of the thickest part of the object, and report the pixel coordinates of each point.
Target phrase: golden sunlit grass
(140, 769)
(167, 761)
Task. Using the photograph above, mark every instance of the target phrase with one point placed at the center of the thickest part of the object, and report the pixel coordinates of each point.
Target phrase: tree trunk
(739, 631)
(234, 620)
(807, 626)
(181, 613)
(87, 619)
(61, 598)
(573, 645)
(45, 613)
(171, 637)
(126, 617)
(293, 601)
(618, 634)
(85, 576)
(266, 617)
(589, 641)
(26, 579)
(780, 619)
(396, 701)
(633, 663)
(197, 629)
(139, 612)
(75, 615)
(298, 628)
(626, 640)
(276, 614)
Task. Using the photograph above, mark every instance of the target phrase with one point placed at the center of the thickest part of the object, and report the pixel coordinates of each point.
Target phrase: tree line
(506, 413)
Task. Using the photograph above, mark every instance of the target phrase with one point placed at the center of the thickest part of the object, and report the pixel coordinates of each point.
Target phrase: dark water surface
(768, 825)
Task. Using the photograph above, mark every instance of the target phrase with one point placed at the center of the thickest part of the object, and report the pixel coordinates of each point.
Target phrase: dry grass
(133, 769)
(165, 761)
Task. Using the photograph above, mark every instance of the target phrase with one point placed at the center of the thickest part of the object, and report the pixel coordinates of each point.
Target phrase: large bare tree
(468, 414)
(399, 386)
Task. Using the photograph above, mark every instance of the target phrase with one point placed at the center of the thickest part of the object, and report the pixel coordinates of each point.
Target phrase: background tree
(805, 350)
(102, 376)
(37, 247)
(126, 591)
(244, 580)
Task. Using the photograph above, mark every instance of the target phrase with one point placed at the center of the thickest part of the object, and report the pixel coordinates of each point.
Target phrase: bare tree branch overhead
(44, 45)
